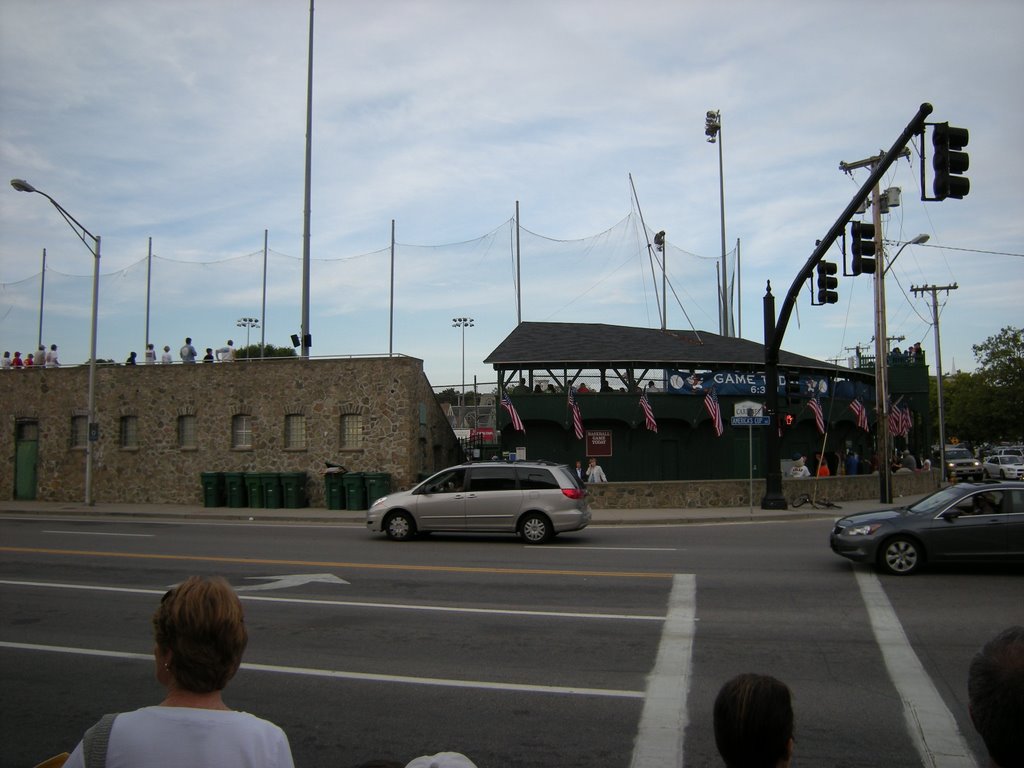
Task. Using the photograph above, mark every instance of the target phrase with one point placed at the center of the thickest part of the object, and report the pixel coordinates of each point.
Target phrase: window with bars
(352, 430)
(295, 432)
(79, 431)
(130, 432)
(187, 432)
(241, 431)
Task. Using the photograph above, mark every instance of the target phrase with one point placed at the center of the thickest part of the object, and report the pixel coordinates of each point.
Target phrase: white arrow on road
(292, 580)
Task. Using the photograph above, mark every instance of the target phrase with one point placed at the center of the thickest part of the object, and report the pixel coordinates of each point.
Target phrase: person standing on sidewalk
(594, 472)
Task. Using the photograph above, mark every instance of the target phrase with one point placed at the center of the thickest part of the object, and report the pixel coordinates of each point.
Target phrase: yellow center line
(332, 564)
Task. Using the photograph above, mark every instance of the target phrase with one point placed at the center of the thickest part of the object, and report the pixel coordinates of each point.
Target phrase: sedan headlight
(862, 530)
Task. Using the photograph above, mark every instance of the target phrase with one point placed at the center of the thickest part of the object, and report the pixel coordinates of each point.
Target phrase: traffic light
(826, 283)
(788, 419)
(862, 247)
(949, 162)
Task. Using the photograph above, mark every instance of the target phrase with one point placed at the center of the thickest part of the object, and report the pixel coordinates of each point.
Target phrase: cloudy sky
(185, 122)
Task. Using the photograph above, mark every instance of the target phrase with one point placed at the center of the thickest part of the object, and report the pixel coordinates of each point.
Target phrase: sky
(183, 125)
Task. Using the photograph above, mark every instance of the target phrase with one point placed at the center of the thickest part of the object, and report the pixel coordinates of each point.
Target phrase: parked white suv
(536, 499)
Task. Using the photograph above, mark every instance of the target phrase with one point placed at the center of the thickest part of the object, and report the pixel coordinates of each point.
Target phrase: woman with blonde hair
(200, 635)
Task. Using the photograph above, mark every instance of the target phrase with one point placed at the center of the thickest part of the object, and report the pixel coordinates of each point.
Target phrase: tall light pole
(93, 244)
(713, 130)
(248, 323)
(463, 323)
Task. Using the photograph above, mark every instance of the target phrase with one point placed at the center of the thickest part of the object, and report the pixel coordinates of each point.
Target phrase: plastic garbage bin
(294, 486)
(234, 485)
(213, 489)
(254, 489)
(271, 482)
(334, 490)
(377, 484)
(355, 490)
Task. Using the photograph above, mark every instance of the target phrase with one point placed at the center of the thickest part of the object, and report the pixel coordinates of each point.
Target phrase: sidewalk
(320, 515)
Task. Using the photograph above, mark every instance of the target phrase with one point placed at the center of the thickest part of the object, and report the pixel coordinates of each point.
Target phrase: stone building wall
(405, 432)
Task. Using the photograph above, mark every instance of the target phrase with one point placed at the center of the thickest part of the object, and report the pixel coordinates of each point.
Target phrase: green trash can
(334, 490)
(377, 484)
(294, 485)
(213, 489)
(254, 489)
(355, 490)
(234, 484)
(271, 482)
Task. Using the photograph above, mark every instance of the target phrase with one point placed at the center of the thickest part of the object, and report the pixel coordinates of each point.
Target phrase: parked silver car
(1005, 467)
(535, 499)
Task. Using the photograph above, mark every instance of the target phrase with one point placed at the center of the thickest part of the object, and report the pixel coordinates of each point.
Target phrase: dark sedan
(967, 522)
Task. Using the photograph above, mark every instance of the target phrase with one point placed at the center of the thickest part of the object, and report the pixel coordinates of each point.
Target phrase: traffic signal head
(949, 162)
(827, 284)
(788, 419)
(862, 247)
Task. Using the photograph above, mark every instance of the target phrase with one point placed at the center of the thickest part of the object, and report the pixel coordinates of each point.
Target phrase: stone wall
(736, 493)
(405, 432)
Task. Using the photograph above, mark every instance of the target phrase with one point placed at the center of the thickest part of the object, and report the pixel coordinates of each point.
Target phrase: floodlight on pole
(93, 244)
(713, 130)
(248, 323)
(463, 323)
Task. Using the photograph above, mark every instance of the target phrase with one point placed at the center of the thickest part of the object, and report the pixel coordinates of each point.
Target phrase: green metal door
(26, 452)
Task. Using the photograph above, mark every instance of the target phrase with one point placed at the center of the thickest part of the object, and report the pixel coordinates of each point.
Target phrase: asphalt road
(605, 647)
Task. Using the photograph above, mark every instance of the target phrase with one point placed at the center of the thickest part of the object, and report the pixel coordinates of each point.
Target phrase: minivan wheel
(901, 556)
(400, 526)
(535, 528)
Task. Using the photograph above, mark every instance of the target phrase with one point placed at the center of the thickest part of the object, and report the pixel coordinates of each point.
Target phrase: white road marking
(931, 725)
(530, 548)
(359, 604)
(343, 675)
(100, 533)
(659, 738)
(291, 580)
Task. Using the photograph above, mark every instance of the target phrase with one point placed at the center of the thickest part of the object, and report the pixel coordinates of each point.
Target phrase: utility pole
(933, 290)
(883, 440)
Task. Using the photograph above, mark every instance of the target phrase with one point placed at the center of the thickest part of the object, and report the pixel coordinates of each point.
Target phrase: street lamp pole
(713, 130)
(463, 323)
(93, 432)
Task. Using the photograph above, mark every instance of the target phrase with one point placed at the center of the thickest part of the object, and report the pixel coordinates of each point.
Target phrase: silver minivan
(536, 499)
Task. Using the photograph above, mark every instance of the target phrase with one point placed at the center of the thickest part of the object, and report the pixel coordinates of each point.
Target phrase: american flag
(517, 423)
(577, 419)
(906, 421)
(819, 416)
(648, 413)
(899, 420)
(711, 403)
(862, 415)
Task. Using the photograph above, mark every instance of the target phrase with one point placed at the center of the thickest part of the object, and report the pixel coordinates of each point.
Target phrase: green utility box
(213, 489)
(294, 485)
(234, 485)
(355, 490)
(254, 489)
(334, 490)
(271, 482)
(377, 484)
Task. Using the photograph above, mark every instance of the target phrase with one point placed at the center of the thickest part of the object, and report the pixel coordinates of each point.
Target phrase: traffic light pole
(775, 331)
(883, 440)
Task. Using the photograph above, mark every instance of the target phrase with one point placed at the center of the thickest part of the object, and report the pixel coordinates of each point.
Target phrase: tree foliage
(269, 350)
(987, 405)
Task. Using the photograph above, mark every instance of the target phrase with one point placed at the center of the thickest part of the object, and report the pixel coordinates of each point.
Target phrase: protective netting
(610, 277)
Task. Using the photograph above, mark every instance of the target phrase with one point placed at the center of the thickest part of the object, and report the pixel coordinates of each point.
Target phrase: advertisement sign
(598, 442)
(739, 383)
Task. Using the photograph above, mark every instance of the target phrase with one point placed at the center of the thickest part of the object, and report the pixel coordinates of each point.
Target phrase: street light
(919, 240)
(463, 323)
(713, 130)
(93, 432)
(248, 323)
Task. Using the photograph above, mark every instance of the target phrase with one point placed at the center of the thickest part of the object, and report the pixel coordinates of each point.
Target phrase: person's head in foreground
(995, 692)
(200, 635)
(754, 722)
(442, 760)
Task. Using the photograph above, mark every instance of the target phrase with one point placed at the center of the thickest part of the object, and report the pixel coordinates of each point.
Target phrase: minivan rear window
(533, 479)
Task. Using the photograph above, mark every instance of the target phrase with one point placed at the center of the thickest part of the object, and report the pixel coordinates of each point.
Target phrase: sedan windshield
(958, 453)
(938, 500)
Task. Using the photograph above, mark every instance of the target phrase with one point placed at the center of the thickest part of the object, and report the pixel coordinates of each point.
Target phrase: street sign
(750, 421)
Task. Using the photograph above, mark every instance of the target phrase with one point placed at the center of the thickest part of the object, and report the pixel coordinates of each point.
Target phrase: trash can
(234, 485)
(254, 489)
(271, 482)
(334, 490)
(355, 490)
(377, 484)
(294, 485)
(213, 489)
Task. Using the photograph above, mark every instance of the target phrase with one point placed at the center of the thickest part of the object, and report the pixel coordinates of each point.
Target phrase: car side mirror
(952, 513)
